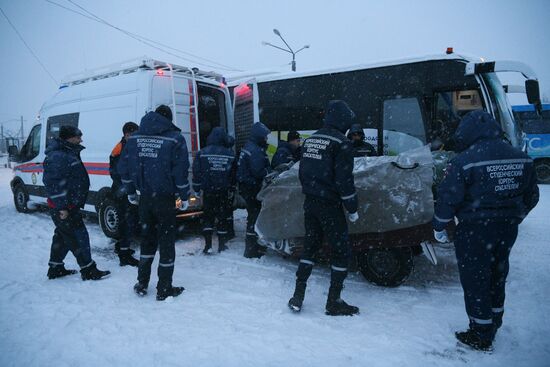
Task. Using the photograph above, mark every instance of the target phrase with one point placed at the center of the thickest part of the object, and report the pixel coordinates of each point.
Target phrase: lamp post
(290, 50)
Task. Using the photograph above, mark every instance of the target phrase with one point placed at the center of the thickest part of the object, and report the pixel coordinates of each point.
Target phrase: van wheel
(387, 267)
(109, 218)
(542, 167)
(21, 199)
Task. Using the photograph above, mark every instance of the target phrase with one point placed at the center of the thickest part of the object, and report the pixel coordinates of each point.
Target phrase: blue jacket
(212, 167)
(488, 179)
(285, 153)
(65, 177)
(326, 167)
(155, 159)
(253, 163)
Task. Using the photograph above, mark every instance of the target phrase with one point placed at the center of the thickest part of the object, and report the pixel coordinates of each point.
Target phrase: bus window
(449, 108)
(55, 123)
(211, 111)
(403, 125)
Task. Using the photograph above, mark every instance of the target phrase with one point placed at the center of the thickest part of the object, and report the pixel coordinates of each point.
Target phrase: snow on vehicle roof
(269, 75)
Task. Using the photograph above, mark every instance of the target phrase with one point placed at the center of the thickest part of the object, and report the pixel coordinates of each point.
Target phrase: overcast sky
(230, 33)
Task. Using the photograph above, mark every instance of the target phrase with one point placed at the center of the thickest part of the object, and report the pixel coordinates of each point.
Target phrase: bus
(536, 127)
(401, 105)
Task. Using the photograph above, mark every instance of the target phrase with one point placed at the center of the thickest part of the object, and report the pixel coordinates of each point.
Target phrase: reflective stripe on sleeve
(58, 195)
(349, 196)
(442, 220)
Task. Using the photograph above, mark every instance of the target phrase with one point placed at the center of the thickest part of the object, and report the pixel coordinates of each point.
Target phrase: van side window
(211, 111)
(403, 125)
(55, 123)
(32, 146)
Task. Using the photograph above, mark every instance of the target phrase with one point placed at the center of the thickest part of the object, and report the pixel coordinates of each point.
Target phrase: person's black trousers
(158, 219)
(70, 235)
(482, 251)
(217, 208)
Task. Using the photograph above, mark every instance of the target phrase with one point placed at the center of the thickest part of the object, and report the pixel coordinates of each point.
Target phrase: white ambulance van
(99, 102)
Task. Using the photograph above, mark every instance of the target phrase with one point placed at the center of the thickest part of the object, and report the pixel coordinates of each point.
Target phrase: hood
(339, 116)
(155, 124)
(217, 137)
(356, 128)
(475, 126)
(259, 133)
(59, 144)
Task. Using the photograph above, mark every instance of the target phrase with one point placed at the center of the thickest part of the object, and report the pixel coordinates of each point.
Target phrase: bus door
(211, 111)
(403, 124)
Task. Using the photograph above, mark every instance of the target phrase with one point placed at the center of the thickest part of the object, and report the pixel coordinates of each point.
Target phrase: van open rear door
(245, 110)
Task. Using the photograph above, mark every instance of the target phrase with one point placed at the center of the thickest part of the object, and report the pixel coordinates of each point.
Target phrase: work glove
(353, 217)
(441, 236)
(133, 199)
(184, 204)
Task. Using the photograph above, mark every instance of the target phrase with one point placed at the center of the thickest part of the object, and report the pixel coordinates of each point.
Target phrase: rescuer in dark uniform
(212, 171)
(490, 187)
(252, 167)
(67, 185)
(360, 147)
(327, 181)
(155, 161)
(128, 222)
(287, 151)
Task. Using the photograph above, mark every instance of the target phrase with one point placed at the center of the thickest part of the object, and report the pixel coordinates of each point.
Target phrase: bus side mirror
(532, 90)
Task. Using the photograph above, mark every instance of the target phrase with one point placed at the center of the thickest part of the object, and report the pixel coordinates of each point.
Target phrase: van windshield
(503, 110)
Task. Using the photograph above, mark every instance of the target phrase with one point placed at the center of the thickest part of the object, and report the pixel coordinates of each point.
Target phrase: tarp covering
(394, 192)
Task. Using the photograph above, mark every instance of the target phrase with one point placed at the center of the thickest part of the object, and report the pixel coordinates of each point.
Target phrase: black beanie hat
(68, 131)
(293, 135)
(130, 127)
(164, 111)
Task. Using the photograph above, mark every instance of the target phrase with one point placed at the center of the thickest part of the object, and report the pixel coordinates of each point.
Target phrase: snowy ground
(233, 311)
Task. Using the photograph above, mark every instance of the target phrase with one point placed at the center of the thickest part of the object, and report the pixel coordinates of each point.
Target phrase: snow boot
(208, 239)
(473, 339)
(59, 271)
(125, 258)
(140, 289)
(251, 249)
(222, 240)
(336, 306)
(162, 294)
(497, 321)
(295, 303)
(92, 273)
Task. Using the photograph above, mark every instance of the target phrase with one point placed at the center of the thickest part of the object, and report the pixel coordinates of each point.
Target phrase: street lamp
(290, 50)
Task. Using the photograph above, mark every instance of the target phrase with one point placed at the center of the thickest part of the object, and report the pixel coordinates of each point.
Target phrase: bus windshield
(503, 110)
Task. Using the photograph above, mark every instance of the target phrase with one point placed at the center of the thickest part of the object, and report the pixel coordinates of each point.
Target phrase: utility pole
(22, 133)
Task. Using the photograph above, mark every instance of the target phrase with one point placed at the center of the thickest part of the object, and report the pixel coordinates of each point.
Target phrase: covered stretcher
(394, 192)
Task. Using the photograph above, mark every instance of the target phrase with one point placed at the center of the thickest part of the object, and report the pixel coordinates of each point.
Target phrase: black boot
(251, 249)
(208, 241)
(336, 306)
(295, 303)
(125, 257)
(222, 240)
(497, 321)
(92, 273)
(140, 289)
(474, 339)
(164, 293)
(59, 271)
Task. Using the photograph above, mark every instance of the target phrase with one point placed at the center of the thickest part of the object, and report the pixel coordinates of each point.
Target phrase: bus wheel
(109, 218)
(21, 199)
(542, 167)
(387, 267)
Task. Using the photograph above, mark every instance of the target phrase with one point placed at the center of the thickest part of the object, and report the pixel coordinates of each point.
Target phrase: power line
(144, 40)
(28, 47)
(153, 41)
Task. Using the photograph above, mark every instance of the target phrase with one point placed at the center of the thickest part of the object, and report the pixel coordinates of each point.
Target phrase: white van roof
(133, 65)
